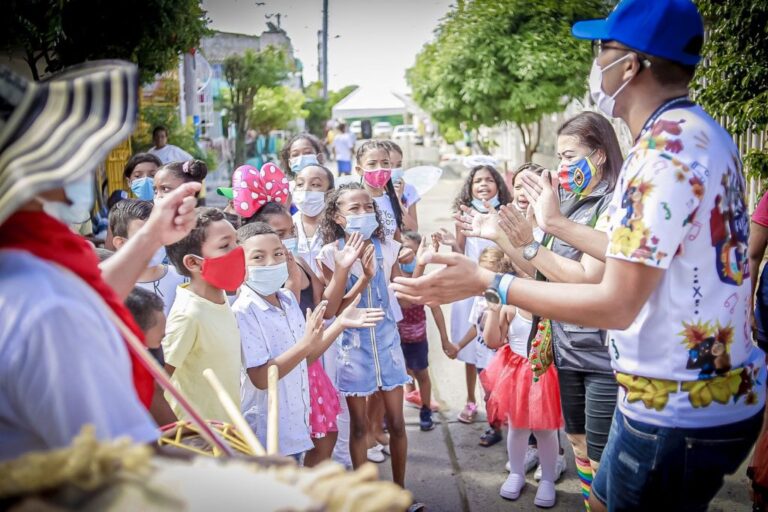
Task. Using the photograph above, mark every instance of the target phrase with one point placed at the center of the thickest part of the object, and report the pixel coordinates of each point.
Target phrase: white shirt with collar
(266, 332)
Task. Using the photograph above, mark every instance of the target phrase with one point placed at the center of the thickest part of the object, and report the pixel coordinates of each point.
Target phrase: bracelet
(504, 284)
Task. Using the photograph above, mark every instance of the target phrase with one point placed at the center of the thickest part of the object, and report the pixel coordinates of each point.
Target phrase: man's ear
(118, 242)
(192, 263)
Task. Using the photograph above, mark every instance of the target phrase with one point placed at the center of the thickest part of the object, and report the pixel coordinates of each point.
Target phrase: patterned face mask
(577, 176)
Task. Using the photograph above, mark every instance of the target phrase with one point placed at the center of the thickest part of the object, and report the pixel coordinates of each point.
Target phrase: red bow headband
(253, 189)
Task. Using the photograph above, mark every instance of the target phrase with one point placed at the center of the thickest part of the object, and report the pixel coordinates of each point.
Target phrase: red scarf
(50, 240)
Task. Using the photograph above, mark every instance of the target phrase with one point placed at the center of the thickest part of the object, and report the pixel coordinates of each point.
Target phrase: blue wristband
(504, 284)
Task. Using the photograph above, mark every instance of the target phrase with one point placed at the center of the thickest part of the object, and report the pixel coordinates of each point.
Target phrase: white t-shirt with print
(165, 287)
(308, 248)
(679, 206)
(388, 220)
(266, 332)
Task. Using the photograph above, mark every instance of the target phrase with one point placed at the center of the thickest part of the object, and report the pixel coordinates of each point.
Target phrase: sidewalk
(447, 469)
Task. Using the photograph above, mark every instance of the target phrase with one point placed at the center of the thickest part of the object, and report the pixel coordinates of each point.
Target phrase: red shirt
(760, 215)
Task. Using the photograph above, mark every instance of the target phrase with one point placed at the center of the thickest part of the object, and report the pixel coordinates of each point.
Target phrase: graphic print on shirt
(729, 226)
(634, 239)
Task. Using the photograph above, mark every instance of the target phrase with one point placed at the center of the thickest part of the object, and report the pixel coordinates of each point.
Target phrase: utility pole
(325, 50)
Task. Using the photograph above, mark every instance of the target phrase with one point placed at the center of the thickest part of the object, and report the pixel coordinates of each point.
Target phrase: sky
(371, 43)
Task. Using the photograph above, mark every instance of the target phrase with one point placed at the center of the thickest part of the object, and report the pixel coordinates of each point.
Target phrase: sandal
(491, 437)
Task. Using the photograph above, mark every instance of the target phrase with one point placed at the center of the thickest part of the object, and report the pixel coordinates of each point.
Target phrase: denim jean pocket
(707, 461)
(639, 450)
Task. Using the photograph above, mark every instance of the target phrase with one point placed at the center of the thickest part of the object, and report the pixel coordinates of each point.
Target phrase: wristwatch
(531, 250)
(491, 294)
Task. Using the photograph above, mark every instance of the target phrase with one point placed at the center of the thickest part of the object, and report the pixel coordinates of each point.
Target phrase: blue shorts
(344, 166)
(646, 467)
(416, 355)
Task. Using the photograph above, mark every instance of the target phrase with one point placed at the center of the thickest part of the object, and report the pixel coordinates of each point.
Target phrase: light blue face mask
(408, 267)
(297, 163)
(157, 258)
(144, 188)
(478, 205)
(292, 244)
(267, 280)
(81, 194)
(397, 174)
(365, 224)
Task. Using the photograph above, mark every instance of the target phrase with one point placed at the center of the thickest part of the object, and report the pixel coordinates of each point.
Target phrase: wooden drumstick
(272, 374)
(235, 415)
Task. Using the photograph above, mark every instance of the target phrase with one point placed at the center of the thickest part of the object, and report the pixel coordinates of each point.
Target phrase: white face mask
(82, 196)
(311, 203)
(157, 258)
(605, 103)
(267, 280)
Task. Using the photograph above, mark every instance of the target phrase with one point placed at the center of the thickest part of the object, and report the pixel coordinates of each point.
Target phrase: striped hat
(55, 131)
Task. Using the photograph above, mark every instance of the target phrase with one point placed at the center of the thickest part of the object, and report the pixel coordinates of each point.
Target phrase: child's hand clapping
(356, 318)
(346, 257)
(313, 331)
(369, 262)
(445, 237)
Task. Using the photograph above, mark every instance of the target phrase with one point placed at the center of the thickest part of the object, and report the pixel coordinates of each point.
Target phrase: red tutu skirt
(515, 399)
(324, 402)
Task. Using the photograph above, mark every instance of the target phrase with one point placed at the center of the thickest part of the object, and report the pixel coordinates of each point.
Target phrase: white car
(407, 132)
(356, 128)
(382, 130)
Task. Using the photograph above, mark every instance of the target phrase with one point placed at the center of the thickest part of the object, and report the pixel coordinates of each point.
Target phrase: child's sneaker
(376, 454)
(469, 413)
(559, 469)
(413, 397)
(546, 495)
(425, 419)
(532, 460)
(511, 488)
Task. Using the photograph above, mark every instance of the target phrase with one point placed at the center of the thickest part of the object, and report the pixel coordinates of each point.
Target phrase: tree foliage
(53, 34)
(246, 74)
(496, 61)
(733, 80)
(275, 108)
(320, 109)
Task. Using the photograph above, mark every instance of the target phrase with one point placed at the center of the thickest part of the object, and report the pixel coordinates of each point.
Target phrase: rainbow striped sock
(584, 469)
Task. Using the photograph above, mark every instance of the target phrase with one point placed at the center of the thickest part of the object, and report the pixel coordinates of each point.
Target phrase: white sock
(517, 443)
(548, 451)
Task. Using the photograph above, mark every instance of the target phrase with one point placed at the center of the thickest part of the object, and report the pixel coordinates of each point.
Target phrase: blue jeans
(645, 467)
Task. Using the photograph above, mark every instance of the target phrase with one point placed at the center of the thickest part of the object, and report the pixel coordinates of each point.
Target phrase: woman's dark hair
(371, 145)
(285, 153)
(527, 166)
(191, 170)
(393, 146)
(140, 158)
(266, 211)
(596, 132)
(331, 231)
(465, 194)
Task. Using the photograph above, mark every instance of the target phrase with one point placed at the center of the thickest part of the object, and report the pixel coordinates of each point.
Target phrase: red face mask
(226, 272)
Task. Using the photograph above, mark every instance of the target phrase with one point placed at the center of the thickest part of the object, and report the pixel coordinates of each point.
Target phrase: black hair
(329, 229)
(285, 154)
(233, 219)
(140, 158)
(393, 146)
(191, 170)
(103, 254)
(193, 242)
(115, 197)
(465, 194)
(371, 145)
(143, 304)
(252, 229)
(596, 132)
(125, 211)
(159, 128)
(267, 210)
(527, 166)
(329, 175)
(413, 236)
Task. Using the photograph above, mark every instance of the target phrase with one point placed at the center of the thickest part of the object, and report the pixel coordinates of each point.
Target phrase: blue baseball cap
(670, 29)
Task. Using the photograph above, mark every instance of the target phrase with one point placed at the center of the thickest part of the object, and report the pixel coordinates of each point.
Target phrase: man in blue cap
(675, 294)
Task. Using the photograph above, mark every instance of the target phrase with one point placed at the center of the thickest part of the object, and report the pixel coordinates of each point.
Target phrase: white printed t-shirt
(63, 363)
(388, 221)
(679, 206)
(165, 287)
(308, 248)
(266, 332)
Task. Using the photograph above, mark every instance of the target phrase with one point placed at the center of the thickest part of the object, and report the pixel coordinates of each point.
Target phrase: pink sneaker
(413, 398)
(468, 414)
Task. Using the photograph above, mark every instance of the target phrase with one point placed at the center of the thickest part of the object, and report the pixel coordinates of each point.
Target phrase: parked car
(382, 130)
(407, 133)
(355, 128)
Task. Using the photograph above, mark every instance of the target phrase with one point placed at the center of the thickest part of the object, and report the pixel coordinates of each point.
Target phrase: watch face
(530, 251)
(492, 296)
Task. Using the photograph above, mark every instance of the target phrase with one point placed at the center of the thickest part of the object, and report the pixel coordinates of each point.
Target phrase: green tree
(52, 34)
(275, 108)
(246, 74)
(319, 108)
(496, 61)
(732, 82)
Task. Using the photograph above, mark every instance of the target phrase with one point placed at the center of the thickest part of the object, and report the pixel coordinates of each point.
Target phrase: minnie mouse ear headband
(473, 161)
(56, 131)
(254, 188)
